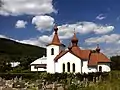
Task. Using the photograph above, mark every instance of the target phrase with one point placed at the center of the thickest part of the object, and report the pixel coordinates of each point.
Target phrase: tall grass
(110, 83)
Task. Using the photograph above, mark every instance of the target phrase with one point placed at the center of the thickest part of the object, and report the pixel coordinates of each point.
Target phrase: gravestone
(18, 85)
(2, 82)
(7, 88)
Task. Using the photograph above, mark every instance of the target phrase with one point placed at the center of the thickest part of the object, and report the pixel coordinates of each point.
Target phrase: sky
(32, 21)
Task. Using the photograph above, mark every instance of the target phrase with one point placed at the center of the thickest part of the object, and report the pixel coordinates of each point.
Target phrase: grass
(110, 83)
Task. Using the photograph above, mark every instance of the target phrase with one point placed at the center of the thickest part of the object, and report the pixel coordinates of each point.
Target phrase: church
(72, 59)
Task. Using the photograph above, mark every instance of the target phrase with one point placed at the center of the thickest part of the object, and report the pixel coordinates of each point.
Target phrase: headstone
(2, 82)
(16, 79)
(20, 79)
(7, 88)
(54, 86)
(18, 85)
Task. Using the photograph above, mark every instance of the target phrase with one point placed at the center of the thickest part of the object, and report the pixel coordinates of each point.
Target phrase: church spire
(74, 40)
(56, 40)
(98, 48)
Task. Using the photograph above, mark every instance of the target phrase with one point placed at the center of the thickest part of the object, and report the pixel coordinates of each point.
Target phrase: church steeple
(98, 48)
(56, 40)
(74, 40)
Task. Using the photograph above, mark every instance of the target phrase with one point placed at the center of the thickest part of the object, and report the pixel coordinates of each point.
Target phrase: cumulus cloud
(113, 38)
(101, 17)
(112, 51)
(3, 36)
(28, 7)
(41, 41)
(20, 24)
(43, 22)
(66, 30)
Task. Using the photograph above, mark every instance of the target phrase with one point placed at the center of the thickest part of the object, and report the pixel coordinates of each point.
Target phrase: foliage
(115, 65)
(11, 51)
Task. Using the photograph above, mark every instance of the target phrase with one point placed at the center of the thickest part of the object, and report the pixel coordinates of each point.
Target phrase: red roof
(56, 40)
(96, 58)
(82, 54)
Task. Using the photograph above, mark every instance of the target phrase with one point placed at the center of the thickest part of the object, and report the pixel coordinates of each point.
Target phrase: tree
(115, 64)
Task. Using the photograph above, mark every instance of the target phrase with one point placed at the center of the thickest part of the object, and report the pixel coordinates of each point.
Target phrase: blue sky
(31, 22)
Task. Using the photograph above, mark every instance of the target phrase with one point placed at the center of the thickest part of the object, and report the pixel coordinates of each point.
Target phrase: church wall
(105, 67)
(92, 69)
(68, 57)
(85, 66)
(35, 69)
(50, 58)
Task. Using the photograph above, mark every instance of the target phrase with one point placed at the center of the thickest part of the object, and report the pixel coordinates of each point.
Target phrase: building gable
(68, 56)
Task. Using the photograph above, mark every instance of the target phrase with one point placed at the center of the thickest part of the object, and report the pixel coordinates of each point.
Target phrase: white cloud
(43, 22)
(100, 17)
(29, 7)
(40, 41)
(3, 36)
(112, 51)
(20, 24)
(118, 18)
(113, 38)
(66, 31)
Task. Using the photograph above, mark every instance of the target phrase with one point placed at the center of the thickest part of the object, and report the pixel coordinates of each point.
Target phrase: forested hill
(14, 51)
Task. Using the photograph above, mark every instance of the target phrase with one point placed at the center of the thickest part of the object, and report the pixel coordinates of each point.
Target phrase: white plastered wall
(105, 67)
(85, 66)
(35, 69)
(92, 69)
(50, 58)
(68, 57)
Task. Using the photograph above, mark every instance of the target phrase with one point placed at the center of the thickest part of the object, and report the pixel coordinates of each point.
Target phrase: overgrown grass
(110, 83)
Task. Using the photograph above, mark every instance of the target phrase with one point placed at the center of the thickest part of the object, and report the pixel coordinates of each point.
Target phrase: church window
(100, 69)
(68, 67)
(63, 67)
(52, 51)
(73, 67)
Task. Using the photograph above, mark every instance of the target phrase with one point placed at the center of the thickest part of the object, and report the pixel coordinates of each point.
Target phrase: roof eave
(56, 44)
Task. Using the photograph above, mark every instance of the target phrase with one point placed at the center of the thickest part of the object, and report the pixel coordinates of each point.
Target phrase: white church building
(73, 59)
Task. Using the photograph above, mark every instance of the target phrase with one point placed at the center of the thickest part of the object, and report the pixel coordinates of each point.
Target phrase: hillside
(14, 48)
(14, 51)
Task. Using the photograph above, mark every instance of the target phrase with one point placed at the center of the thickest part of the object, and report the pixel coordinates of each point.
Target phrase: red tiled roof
(96, 58)
(56, 40)
(85, 54)
(82, 54)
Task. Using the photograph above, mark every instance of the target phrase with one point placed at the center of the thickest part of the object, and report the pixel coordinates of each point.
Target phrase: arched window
(73, 67)
(68, 67)
(100, 69)
(63, 67)
(52, 51)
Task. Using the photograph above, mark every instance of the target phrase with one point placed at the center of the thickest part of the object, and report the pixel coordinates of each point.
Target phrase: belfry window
(73, 67)
(63, 67)
(52, 51)
(68, 67)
